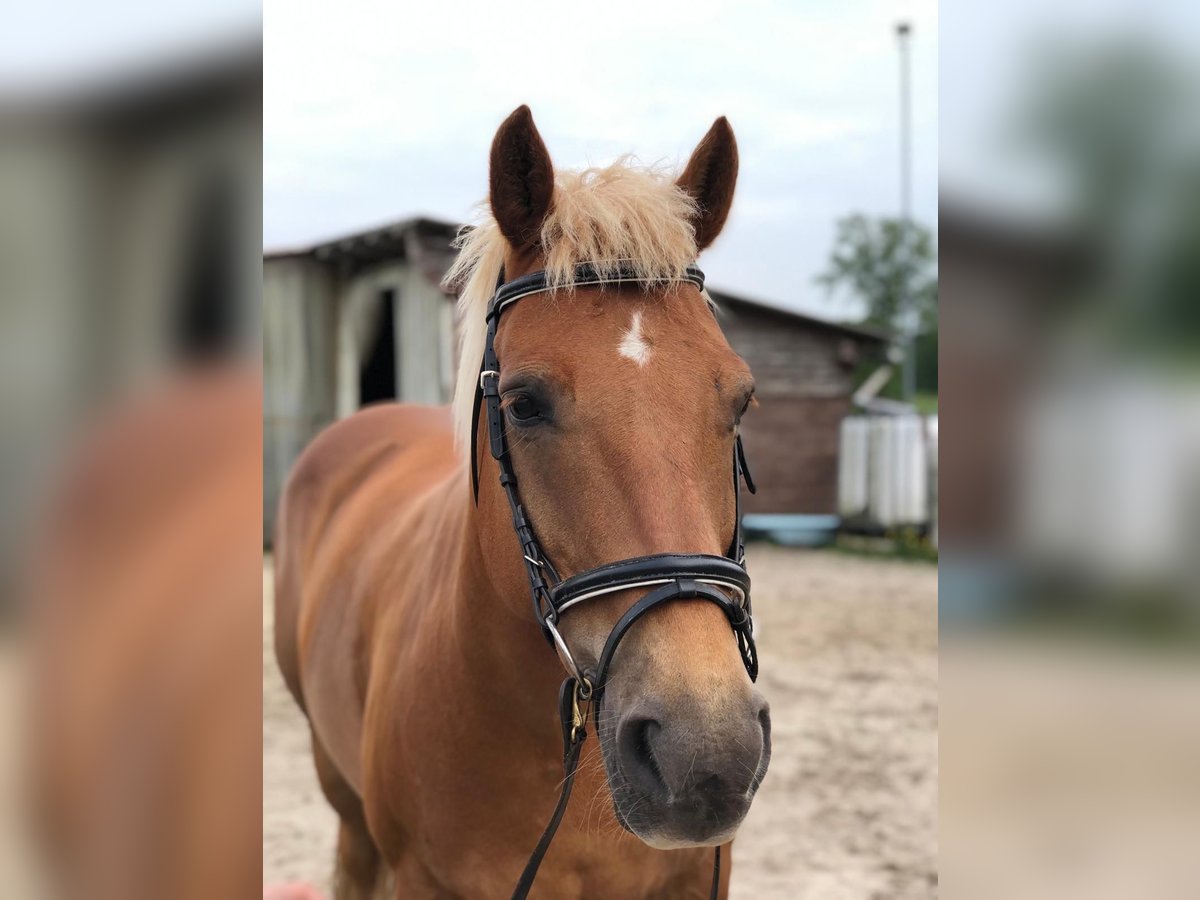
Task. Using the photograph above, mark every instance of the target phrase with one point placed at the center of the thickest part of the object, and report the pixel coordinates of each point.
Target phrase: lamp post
(903, 34)
(909, 326)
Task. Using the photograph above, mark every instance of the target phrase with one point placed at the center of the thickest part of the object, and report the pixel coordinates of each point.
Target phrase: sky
(375, 112)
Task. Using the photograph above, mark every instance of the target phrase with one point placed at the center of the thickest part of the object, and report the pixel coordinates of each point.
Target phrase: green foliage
(1116, 122)
(926, 349)
(865, 368)
(926, 397)
(900, 543)
(1109, 114)
(891, 266)
(926, 403)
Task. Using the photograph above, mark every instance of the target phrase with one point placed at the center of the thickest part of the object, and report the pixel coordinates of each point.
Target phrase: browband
(586, 275)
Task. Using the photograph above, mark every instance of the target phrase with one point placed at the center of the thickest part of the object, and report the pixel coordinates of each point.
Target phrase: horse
(403, 627)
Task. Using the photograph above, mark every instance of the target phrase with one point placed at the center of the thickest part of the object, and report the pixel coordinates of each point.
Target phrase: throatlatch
(721, 580)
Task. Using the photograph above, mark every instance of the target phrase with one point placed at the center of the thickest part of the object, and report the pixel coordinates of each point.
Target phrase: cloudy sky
(375, 112)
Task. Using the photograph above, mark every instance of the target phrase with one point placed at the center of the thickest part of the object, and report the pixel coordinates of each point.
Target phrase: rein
(721, 580)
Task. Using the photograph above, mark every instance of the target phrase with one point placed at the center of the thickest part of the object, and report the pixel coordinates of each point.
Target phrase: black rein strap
(721, 580)
(574, 732)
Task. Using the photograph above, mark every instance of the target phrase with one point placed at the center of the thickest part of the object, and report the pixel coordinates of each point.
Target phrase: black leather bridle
(722, 580)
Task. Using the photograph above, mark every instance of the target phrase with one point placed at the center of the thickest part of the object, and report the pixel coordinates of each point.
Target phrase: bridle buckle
(579, 717)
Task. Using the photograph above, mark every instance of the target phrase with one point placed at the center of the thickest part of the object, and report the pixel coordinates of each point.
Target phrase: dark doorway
(377, 377)
(205, 315)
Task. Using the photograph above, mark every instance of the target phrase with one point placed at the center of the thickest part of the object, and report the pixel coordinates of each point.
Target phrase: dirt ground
(849, 660)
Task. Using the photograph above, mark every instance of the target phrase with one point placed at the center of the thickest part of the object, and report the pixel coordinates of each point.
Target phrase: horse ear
(709, 178)
(522, 179)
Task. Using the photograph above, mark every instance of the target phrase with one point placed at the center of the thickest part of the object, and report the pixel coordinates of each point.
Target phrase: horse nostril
(636, 743)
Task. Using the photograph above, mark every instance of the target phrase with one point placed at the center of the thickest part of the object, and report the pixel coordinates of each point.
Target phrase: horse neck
(511, 670)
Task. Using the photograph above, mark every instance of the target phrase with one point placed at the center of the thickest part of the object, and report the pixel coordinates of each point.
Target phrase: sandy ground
(849, 659)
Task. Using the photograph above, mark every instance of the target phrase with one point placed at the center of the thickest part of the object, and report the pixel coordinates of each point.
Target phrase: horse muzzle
(683, 778)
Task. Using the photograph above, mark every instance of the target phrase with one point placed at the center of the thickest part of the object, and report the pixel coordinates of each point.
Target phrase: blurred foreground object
(130, 462)
(1070, 363)
(146, 709)
(129, 238)
(1072, 347)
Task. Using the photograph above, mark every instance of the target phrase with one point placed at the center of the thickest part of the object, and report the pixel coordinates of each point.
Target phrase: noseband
(721, 580)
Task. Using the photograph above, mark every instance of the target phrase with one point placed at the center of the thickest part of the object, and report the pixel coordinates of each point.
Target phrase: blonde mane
(620, 216)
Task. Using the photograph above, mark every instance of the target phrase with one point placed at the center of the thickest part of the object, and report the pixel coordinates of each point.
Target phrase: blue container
(793, 530)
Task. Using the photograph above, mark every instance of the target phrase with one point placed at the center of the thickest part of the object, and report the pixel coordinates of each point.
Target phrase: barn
(362, 318)
(349, 322)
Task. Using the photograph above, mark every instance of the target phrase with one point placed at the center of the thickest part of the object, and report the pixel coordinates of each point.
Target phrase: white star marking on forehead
(633, 345)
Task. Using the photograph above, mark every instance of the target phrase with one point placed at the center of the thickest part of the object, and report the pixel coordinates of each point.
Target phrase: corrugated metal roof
(859, 332)
(373, 245)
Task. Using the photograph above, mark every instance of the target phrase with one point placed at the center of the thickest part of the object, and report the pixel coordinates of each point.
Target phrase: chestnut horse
(403, 624)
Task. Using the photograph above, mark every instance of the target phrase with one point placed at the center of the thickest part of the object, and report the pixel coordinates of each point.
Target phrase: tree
(891, 266)
(1115, 121)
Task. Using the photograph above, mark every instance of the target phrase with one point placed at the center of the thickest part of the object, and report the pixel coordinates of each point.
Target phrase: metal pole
(903, 32)
(909, 326)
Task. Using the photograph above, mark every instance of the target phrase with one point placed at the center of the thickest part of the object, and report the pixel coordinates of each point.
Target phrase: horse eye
(745, 406)
(524, 409)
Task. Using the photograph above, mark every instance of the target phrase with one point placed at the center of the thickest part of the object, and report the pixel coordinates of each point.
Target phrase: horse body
(430, 702)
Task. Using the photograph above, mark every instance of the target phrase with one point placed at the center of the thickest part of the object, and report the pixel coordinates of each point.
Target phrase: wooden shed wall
(425, 321)
(299, 366)
(804, 376)
(424, 325)
(316, 329)
(792, 447)
(789, 356)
